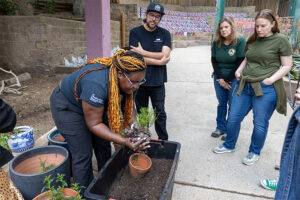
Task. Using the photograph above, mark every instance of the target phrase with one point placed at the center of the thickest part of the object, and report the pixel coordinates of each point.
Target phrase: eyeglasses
(133, 83)
(156, 17)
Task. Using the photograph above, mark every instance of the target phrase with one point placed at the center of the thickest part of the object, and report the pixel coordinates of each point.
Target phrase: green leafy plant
(50, 6)
(294, 72)
(6, 136)
(3, 140)
(58, 193)
(146, 118)
(8, 7)
(43, 167)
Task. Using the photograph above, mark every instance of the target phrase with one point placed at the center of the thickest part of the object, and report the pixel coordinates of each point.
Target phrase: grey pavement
(191, 109)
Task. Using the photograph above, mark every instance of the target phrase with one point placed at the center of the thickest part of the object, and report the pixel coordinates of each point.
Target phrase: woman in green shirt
(268, 59)
(227, 53)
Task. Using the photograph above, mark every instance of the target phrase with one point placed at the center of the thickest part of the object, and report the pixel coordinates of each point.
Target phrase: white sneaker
(222, 149)
(251, 158)
(270, 184)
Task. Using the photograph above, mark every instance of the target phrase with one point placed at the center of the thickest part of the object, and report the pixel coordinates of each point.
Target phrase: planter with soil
(29, 169)
(55, 138)
(114, 179)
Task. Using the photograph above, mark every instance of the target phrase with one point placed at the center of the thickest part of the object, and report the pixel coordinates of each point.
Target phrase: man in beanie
(154, 44)
(7, 124)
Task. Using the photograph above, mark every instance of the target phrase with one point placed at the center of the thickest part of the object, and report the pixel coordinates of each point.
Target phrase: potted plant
(144, 120)
(20, 139)
(61, 192)
(29, 169)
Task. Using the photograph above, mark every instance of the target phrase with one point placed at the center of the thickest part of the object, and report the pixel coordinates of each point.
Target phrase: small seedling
(58, 193)
(43, 167)
(146, 118)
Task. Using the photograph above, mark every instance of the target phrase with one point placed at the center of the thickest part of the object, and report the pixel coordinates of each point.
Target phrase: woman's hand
(137, 144)
(267, 81)
(224, 84)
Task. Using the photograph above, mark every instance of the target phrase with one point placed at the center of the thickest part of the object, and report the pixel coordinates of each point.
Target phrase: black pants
(70, 122)
(5, 156)
(157, 96)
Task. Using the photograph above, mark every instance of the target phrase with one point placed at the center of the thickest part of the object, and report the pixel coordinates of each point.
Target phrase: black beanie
(7, 117)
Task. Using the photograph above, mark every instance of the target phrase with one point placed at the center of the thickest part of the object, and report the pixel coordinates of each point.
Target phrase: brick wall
(39, 44)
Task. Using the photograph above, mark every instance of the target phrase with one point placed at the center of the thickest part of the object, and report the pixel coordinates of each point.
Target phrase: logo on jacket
(95, 99)
(231, 52)
(157, 40)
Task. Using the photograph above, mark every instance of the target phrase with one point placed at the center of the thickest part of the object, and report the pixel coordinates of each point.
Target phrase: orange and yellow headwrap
(126, 61)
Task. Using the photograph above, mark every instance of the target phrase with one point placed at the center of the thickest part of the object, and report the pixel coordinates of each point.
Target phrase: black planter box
(99, 187)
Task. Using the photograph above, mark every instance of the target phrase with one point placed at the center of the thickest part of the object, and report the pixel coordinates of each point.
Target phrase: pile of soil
(149, 187)
(33, 106)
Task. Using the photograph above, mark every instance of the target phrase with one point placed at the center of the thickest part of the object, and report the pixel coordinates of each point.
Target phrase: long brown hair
(234, 36)
(266, 14)
(125, 61)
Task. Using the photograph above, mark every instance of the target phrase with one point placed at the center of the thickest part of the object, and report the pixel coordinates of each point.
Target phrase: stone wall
(39, 44)
(131, 18)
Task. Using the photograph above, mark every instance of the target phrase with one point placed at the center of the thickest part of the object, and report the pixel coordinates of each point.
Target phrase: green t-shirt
(226, 55)
(263, 60)
(263, 55)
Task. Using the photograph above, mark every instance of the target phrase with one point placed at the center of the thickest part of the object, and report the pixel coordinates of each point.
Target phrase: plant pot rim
(145, 156)
(54, 141)
(38, 197)
(30, 155)
(286, 79)
(24, 127)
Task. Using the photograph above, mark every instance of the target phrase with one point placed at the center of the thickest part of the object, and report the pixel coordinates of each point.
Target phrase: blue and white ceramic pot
(22, 141)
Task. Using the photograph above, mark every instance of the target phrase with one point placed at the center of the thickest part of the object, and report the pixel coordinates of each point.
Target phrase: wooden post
(123, 30)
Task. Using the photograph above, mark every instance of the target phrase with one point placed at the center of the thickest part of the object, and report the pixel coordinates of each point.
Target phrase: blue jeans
(263, 108)
(224, 98)
(288, 187)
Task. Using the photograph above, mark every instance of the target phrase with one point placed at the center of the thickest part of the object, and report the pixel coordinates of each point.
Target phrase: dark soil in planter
(59, 138)
(149, 187)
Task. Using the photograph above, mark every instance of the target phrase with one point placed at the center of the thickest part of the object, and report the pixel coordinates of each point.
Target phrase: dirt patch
(149, 187)
(33, 106)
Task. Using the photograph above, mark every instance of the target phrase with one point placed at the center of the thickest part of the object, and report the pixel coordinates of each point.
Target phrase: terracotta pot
(139, 164)
(67, 193)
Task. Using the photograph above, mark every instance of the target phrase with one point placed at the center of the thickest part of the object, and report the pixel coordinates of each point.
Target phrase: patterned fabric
(8, 190)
